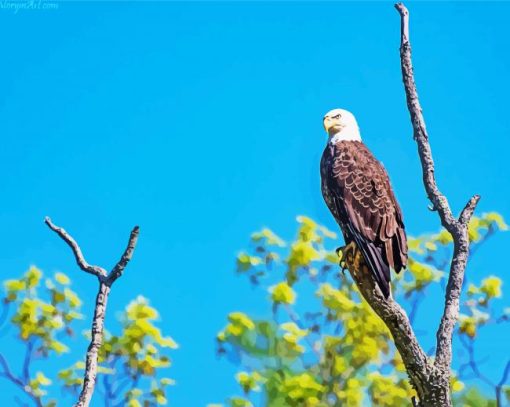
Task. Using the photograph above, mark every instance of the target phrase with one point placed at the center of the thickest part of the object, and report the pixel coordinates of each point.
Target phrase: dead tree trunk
(430, 378)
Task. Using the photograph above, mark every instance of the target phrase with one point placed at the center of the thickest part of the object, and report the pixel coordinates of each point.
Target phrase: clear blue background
(202, 122)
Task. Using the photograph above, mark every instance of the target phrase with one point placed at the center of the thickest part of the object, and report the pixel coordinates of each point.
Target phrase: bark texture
(430, 378)
(105, 282)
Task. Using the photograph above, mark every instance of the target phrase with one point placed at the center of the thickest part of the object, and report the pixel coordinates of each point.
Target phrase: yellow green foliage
(421, 275)
(389, 390)
(38, 384)
(303, 389)
(267, 237)
(246, 262)
(240, 402)
(136, 355)
(491, 287)
(455, 384)
(322, 345)
(42, 318)
(249, 381)
(335, 300)
(351, 393)
(487, 223)
(475, 311)
(282, 293)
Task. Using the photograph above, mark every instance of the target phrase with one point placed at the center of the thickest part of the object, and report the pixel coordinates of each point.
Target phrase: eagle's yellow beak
(328, 123)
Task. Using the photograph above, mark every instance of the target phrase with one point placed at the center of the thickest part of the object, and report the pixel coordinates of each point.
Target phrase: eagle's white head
(341, 125)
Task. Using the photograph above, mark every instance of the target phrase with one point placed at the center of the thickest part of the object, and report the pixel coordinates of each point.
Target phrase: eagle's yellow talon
(340, 252)
(346, 254)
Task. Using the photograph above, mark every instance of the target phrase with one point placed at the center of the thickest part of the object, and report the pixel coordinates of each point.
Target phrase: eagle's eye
(337, 116)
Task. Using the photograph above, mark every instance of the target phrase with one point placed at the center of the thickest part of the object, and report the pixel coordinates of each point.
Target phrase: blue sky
(201, 122)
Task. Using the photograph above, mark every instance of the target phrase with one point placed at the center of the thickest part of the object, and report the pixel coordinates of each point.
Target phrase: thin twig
(105, 282)
(8, 374)
(24, 386)
(472, 363)
(5, 311)
(418, 297)
(27, 360)
(295, 318)
(502, 382)
(3, 317)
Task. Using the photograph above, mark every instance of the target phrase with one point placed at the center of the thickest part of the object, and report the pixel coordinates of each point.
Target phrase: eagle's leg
(340, 253)
(346, 255)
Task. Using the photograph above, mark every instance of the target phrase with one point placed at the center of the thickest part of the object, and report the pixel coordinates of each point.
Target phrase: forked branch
(458, 228)
(430, 379)
(105, 282)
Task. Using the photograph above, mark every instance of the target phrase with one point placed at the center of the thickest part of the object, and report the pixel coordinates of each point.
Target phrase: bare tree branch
(106, 280)
(430, 379)
(501, 383)
(395, 318)
(89, 378)
(467, 212)
(126, 256)
(80, 260)
(27, 360)
(458, 228)
(4, 312)
(22, 384)
(415, 302)
(472, 363)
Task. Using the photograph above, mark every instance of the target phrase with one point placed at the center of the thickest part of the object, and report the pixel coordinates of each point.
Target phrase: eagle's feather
(357, 190)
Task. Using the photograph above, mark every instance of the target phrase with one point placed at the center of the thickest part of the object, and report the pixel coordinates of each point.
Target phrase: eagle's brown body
(357, 191)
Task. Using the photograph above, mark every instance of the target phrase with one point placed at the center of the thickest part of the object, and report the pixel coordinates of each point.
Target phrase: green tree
(323, 345)
(43, 311)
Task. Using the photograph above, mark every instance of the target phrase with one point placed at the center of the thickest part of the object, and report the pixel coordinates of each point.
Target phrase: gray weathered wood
(430, 378)
(105, 282)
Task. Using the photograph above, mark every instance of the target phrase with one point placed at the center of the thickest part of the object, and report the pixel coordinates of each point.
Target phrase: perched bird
(358, 193)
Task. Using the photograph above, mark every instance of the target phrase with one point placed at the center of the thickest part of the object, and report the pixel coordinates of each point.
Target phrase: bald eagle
(358, 193)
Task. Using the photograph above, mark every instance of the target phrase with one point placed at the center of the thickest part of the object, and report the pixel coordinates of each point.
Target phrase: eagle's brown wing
(361, 199)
